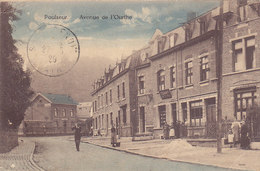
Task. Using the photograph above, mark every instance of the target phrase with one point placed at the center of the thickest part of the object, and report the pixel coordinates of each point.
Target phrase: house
(175, 77)
(84, 116)
(50, 114)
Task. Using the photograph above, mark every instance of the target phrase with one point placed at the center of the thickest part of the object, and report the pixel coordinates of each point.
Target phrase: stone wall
(8, 140)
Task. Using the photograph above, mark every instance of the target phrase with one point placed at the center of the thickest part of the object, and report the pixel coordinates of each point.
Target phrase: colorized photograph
(129, 85)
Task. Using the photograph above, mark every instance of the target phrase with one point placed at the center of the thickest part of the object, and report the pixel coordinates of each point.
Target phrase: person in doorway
(113, 136)
(236, 132)
(245, 142)
(166, 130)
(77, 135)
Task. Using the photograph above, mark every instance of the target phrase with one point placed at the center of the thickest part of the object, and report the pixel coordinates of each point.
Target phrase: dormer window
(188, 34)
(203, 27)
(160, 46)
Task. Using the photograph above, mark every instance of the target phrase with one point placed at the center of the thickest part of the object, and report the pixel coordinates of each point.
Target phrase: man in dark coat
(77, 135)
(245, 142)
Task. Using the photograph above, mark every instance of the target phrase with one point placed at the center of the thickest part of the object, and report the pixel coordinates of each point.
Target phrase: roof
(59, 99)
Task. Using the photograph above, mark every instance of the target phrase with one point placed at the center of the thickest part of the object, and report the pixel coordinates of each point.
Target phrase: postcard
(130, 85)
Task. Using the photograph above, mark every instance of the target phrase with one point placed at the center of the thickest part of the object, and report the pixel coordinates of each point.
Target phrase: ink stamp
(53, 50)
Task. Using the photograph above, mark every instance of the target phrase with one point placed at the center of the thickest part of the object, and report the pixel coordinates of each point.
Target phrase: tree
(15, 87)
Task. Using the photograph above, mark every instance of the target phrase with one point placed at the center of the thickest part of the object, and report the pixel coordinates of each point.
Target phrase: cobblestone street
(20, 158)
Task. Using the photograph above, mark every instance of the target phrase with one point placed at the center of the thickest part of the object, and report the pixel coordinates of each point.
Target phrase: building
(114, 99)
(50, 114)
(175, 77)
(84, 117)
(241, 61)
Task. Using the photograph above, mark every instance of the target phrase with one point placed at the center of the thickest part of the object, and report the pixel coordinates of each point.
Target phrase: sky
(112, 38)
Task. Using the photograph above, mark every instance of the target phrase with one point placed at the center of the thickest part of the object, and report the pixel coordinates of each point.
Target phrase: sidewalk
(180, 150)
(20, 158)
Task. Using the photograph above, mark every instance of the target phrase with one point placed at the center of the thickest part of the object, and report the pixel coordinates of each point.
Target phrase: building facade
(50, 114)
(176, 76)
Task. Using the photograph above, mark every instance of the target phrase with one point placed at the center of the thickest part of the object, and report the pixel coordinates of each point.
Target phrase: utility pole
(219, 76)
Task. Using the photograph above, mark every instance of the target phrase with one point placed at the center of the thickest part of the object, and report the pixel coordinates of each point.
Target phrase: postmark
(53, 50)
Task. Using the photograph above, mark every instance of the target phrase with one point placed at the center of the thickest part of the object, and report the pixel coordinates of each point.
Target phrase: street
(59, 153)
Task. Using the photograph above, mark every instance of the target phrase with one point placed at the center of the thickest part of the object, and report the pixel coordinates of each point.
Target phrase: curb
(155, 157)
(32, 161)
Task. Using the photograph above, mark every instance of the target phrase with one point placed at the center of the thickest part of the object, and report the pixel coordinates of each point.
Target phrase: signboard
(165, 94)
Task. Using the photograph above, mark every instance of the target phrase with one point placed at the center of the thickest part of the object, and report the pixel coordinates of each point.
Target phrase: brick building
(241, 56)
(176, 74)
(50, 114)
(114, 99)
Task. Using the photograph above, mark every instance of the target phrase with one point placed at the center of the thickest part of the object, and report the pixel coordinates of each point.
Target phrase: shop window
(244, 99)
(188, 72)
(173, 77)
(244, 54)
(195, 113)
(162, 115)
(141, 85)
(161, 80)
(204, 68)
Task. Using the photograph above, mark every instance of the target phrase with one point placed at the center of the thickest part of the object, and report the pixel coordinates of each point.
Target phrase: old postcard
(130, 85)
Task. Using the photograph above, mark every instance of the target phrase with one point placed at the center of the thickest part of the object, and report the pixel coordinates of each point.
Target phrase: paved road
(58, 153)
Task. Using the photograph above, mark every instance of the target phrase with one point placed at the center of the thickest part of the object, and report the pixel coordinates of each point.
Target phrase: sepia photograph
(129, 85)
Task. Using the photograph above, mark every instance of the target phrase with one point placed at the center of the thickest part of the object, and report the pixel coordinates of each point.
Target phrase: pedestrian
(166, 130)
(113, 136)
(172, 131)
(77, 135)
(236, 131)
(245, 142)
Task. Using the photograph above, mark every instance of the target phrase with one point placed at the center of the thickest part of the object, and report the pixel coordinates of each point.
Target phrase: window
(141, 84)
(173, 77)
(111, 119)
(188, 34)
(160, 46)
(96, 123)
(124, 114)
(95, 105)
(203, 27)
(118, 92)
(172, 41)
(101, 100)
(106, 99)
(102, 121)
(161, 80)
(110, 92)
(188, 72)
(242, 12)
(195, 113)
(55, 112)
(162, 115)
(63, 112)
(204, 68)
(244, 98)
(123, 89)
(98, 102)
(244, 54)
(71, 113)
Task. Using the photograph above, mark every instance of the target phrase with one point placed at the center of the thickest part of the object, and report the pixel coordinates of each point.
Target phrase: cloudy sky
(111, 38)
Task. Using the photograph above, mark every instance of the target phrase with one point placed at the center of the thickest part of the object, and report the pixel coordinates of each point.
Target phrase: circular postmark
(53, 50)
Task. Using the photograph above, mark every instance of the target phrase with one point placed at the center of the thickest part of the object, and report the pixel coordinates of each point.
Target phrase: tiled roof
(60, 99)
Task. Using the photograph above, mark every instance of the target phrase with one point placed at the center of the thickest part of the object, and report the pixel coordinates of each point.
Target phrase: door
(174, 113)
(211, 124)
(142, 119)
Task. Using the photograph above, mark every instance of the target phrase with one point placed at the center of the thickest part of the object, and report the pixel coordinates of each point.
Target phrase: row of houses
(55, 114)
(174, 78)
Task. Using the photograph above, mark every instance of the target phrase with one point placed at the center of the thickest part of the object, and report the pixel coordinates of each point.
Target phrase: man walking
(77, 135)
